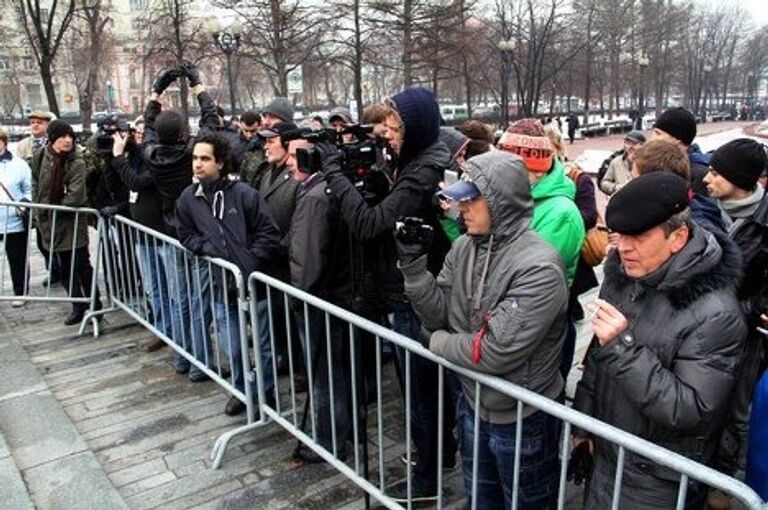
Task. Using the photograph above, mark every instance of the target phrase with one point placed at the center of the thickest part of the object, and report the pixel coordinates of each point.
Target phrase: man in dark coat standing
(669, 338)
(732, 180)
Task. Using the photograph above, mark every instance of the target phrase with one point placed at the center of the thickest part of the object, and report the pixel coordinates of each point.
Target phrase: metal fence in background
(24, 245)
(197, 305)
(374, 462)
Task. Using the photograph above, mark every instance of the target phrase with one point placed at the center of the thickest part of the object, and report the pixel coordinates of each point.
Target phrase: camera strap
(477, 340)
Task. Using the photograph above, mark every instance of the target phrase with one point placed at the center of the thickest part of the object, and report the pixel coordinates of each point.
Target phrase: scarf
(6, 156)
(56, 188)
(741, 208)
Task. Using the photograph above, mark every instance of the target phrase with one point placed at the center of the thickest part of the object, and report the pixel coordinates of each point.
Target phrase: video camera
(358, 156)
(108, 126)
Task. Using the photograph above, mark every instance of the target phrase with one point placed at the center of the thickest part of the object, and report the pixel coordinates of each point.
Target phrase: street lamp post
(109, 96)
(643, 62)
(228, 42)
(707, 74)
(506, 48)
(750, 89)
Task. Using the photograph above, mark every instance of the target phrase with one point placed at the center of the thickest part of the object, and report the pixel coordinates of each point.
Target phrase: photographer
(320, 265)
(498, 307)
(167, 155)
(145, 208)
(413, 125)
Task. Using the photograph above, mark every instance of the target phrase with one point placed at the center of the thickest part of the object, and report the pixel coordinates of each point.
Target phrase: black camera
(413, 230)
(358, 150)
(108, 126)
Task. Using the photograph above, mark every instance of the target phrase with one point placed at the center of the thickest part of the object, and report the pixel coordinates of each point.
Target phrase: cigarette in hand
(595, 311)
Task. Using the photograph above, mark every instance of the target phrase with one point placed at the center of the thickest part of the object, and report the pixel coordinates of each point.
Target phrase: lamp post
(506, 48)
(750, 89)
(228, 42)
(643, 62)
(707, 74)
(109, 96)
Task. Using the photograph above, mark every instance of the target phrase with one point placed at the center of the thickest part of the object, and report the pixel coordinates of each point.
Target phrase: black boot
(75, 316)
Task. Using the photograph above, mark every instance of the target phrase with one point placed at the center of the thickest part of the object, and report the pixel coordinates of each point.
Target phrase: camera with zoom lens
(358, 155)
(107, 128)
(413, 230)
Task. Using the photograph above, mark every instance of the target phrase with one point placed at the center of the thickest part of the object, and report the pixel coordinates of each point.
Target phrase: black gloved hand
(109, 211)
(330, 157)
(413, 238)
(580, 464)
(189, 70)
(164, 78)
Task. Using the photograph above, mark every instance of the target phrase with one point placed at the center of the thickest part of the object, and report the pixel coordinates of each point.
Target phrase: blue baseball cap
(460, 191)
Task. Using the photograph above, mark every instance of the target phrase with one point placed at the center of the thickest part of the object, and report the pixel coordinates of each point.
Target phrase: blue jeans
(155, 285)
(189, 293)
(539, 470)
(424, 404)
(228, 337)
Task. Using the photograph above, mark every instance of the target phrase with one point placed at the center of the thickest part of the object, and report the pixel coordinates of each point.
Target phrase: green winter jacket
(556, 217)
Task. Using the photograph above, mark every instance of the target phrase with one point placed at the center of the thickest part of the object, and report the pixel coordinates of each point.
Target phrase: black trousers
(77, 261)
(16, 252)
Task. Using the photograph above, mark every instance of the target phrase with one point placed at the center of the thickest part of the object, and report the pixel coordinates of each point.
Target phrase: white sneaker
(17, 303)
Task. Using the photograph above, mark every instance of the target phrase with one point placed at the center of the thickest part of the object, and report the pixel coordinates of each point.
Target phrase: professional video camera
(358, 151)
(108, 126)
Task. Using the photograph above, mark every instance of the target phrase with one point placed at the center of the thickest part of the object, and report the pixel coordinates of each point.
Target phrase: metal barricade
(324, 431)
(197, 305)
(51, 255)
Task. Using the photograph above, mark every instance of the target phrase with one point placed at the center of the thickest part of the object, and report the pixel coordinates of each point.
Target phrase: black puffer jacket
(671, 385)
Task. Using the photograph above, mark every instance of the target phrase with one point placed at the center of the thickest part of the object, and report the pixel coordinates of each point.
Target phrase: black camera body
(109, 127)
(357, 157)
(413, 230)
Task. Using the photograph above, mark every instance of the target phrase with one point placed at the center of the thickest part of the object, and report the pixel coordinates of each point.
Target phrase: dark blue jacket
(229, 220)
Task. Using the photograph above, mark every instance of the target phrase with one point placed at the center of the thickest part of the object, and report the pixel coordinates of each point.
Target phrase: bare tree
(45, 29)
(87, 46)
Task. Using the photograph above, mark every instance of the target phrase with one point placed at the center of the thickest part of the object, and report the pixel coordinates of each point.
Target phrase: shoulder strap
(7, 192)
(574, 173)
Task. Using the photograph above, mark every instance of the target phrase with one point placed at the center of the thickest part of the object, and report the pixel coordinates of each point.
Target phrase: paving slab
(76, 481)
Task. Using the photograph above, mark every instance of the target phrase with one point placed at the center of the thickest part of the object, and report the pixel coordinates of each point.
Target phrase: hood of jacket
(163, 156)
(420, 115)
(708, 262)
(554, 184)
(503, 180)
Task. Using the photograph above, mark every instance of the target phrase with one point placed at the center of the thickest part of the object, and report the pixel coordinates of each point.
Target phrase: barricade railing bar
(58, 257)
(197, 305)
(328, 445)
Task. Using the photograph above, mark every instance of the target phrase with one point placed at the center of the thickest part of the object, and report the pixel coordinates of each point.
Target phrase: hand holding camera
(119, 140)
(188, 69)
(413, 238)
(164, 78)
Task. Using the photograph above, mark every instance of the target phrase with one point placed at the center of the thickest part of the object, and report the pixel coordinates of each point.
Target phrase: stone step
(44, 461)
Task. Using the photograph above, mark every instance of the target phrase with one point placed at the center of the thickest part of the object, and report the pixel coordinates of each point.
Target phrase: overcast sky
(757, 9)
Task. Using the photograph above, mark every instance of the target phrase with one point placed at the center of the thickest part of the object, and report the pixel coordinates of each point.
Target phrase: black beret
(678, 123)
(740, 161)
(646, 202)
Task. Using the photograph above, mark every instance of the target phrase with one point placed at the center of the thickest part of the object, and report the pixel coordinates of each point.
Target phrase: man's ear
(679, 238)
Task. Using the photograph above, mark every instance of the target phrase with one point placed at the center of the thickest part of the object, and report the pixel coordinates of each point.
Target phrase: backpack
(596, 241)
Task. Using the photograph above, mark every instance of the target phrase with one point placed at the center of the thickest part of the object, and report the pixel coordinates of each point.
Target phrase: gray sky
(757, 9)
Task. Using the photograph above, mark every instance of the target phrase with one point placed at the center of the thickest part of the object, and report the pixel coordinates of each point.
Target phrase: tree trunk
(50, 89)
(358, 68)
(407, 40)
(587, 67)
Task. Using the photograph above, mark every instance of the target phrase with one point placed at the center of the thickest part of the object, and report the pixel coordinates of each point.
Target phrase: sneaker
(17, 303)
(420, 496)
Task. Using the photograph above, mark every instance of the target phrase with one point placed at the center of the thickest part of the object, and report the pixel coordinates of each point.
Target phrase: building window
(139, 5)
(4, 64)
(34, 99)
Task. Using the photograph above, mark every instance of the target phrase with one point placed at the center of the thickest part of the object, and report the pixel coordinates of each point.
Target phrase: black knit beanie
(57, 129)
(740, 161)
(678, 123)
(169, 126)
(421, 121)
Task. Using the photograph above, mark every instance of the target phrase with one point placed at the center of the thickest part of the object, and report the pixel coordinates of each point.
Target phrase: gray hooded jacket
(512, 277)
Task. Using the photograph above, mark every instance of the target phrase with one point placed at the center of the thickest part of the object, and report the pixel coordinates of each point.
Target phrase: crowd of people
(484, 268)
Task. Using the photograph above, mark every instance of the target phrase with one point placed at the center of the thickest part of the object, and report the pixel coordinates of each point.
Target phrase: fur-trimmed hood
(710, 261)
